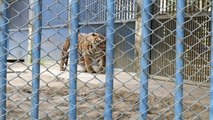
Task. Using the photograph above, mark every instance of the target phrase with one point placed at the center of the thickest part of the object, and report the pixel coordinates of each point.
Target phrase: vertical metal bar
(145, 48)
(110, 29)
(3, 56)
(211, 69)
(179, 61)
(74, 7)
(36, 37)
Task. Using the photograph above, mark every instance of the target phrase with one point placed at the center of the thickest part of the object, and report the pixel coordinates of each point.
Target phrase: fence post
(36, 37)
(110, 31)
(179, 61)
(211, 69)
(74, 6)
(145, 48)
(3, 56)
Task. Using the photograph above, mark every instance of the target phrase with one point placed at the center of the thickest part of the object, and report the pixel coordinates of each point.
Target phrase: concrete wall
(138, 35)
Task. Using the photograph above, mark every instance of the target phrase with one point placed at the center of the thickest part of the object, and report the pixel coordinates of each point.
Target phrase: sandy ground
(90, 96)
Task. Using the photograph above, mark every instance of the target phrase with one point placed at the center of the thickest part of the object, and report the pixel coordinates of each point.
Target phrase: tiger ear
(93, 34)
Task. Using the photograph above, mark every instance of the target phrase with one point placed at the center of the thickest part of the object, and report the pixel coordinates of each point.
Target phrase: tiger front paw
(89, 71)
(92, 71)
(62, 69)
(102, 71)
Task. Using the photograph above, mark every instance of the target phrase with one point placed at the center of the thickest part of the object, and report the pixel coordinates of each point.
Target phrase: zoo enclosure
(159, 39)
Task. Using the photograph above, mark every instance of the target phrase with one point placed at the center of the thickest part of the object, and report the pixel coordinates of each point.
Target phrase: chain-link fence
(106, 59)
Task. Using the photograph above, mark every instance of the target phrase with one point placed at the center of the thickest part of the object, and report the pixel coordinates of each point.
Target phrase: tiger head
(98, 41)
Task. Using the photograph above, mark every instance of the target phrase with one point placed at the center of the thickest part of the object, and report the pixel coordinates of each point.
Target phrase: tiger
(91, 49)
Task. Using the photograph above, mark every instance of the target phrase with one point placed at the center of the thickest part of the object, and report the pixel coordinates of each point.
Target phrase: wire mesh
(54, 89)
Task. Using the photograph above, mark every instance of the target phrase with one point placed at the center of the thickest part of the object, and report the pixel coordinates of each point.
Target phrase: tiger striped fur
(91, 49)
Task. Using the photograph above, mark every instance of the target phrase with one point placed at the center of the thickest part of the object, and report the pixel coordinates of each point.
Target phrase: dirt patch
(90, 102)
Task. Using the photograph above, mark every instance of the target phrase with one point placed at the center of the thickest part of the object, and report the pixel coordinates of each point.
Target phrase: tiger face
(98, 41)
(91, 48)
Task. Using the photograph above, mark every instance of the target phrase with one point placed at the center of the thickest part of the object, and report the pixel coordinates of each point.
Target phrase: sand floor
(90, 96)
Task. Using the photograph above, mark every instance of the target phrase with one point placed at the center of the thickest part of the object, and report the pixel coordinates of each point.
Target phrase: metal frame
(146, 19)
